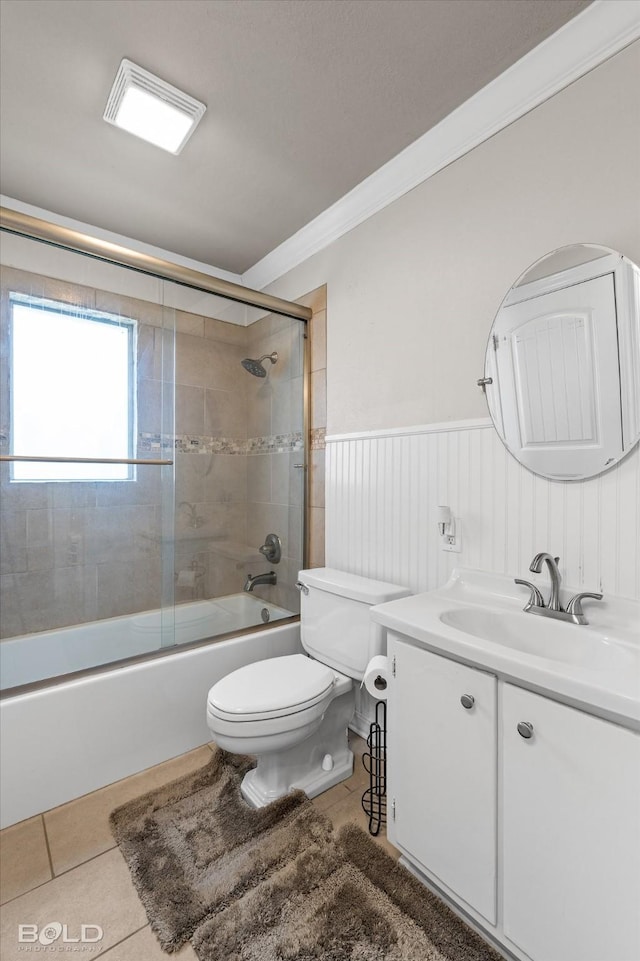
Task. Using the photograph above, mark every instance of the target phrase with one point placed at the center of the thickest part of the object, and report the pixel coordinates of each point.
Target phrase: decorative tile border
(318, 438)
(190, 444)
(166, 444)
(275, 443)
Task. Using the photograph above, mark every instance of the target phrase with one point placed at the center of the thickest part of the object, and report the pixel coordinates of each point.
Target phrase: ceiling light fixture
(152, 109)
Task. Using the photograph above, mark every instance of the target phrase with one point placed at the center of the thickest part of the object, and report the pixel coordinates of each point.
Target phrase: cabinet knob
(467, 701)
(525, 729)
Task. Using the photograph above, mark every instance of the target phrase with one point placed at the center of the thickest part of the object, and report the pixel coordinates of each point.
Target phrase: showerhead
(256, 367)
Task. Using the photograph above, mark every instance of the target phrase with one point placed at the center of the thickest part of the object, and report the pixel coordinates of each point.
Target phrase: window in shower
(72, 390)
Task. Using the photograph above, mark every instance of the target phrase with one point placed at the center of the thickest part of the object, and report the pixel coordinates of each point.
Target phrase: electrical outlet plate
(453, 544)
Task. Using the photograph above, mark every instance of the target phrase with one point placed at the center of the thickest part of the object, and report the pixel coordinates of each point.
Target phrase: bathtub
(50, 654)
(64, 740)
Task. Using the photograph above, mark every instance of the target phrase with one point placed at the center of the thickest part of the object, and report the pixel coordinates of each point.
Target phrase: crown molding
(600, 31)
(118, 239)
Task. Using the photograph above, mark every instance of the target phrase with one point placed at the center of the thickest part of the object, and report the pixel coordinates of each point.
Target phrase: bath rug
(342, 901)
(194, 846)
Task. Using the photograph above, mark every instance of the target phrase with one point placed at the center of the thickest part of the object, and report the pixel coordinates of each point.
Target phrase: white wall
(411, 298)
(412, 292)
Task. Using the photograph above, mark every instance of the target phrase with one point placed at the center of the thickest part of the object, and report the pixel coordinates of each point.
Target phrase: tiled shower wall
(275, 479)
(275, 484)
(75, 552)
(210, 471)
(383, 491)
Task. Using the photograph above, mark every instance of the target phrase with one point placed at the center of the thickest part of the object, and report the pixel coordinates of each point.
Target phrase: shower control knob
(525, 729)
(467, 701)
(272, 549)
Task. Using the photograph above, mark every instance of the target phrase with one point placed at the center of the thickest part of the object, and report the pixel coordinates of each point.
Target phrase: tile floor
(64, 865)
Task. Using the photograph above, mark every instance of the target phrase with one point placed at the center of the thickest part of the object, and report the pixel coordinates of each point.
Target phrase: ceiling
(305, 98)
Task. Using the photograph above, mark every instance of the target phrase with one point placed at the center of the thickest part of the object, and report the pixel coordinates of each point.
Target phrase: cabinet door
(442, 771)
(571, 833)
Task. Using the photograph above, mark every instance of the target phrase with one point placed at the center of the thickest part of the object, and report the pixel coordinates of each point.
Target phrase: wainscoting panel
(383, 490)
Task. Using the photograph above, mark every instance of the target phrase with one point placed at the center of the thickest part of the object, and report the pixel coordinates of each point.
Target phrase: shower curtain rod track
(86, 460)
(33, 227)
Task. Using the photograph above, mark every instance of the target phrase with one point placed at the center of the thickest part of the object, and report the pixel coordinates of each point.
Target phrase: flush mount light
(152, 109)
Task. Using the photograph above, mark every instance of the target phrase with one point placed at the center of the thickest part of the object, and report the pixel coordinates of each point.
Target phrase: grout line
(105, 850)
(93, 857)
(126, 938)
(48, 847)
(126, 777)
(30, 891)
(62, 874)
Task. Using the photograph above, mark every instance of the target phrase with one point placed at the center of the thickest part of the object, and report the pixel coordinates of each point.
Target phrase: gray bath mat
(342, 901)
(275, 884)
(194, 846)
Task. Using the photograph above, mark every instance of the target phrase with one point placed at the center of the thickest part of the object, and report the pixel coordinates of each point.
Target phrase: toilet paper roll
(376, 677)
(186, 579)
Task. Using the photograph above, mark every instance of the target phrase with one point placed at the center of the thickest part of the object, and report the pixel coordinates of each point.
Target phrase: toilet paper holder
(374, 799)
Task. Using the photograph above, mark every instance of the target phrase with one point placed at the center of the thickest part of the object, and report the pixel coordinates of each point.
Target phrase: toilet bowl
(271, 709)
(293, 712)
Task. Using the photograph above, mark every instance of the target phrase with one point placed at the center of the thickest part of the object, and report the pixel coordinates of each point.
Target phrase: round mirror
(562, 366)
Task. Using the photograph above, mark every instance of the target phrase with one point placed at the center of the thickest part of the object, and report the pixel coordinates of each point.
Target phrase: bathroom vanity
(514, 766)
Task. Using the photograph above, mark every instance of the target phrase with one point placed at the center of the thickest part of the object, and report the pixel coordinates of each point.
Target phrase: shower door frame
(33, 228)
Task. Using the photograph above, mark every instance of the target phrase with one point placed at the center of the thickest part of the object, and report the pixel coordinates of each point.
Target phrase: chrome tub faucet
(254, 581)
(535, 605)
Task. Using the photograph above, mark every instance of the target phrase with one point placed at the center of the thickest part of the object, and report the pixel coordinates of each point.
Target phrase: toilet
(292, 712)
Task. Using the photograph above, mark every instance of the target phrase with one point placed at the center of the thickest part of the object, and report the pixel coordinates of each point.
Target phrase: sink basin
(543, 637)
(477, 617)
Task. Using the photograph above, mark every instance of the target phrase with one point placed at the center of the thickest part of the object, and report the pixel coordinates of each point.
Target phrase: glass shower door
(239, 452)
(86, 496)
(152, 463)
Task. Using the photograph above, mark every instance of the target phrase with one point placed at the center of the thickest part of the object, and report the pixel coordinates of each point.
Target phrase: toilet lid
(271, 688)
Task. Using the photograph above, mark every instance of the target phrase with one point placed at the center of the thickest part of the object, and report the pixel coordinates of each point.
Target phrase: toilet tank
(335, 626)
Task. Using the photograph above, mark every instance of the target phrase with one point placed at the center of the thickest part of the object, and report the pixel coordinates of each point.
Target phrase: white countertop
(603, 678)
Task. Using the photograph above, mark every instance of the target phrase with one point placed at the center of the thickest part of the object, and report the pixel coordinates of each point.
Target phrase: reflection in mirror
(562, 366)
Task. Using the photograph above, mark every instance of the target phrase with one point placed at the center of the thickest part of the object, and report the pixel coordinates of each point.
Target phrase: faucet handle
(535, 598)
(272, 549)
(575, 604)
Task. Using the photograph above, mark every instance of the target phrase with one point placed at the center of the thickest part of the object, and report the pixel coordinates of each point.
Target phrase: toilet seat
(270, 689)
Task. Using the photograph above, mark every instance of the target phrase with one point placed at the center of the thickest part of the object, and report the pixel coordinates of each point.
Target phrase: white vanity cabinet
(571, 832)
(442, 765)
(523, 811)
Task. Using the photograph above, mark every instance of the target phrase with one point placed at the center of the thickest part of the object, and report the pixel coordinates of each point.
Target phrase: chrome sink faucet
(554, 573)
(536, 605)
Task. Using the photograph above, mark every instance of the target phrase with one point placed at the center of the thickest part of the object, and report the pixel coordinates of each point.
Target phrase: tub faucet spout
(254, 581)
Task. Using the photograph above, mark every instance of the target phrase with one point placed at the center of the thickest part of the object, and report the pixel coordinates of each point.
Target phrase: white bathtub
(62, 741)
(48, 654)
